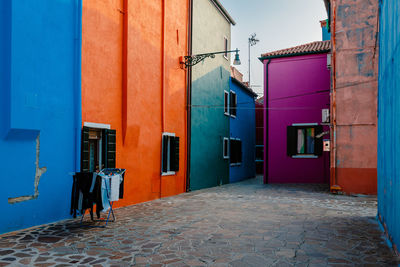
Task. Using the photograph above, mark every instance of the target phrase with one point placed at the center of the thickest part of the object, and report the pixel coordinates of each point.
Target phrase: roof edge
(295, 54)
(223, 11)
(248, 90)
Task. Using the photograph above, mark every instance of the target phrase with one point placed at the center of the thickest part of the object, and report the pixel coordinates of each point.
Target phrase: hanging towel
(115, 182)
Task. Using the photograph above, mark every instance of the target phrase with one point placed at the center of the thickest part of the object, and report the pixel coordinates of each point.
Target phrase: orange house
(134, 94)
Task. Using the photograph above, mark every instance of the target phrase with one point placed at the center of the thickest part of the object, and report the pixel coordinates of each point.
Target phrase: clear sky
(278, 24)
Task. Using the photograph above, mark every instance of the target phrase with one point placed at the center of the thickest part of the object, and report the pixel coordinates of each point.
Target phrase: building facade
(211, 32)
(355, 53)
(242, 141)
(40, 109)
(294, 128)
(134, 94)
(388, 128)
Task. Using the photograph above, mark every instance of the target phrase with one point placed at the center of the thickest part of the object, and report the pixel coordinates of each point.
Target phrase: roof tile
(311, 48)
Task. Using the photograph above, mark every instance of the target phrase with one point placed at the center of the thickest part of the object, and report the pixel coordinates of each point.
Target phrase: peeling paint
(38, 173)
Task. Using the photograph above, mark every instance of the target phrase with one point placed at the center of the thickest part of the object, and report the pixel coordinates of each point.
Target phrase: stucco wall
(155, 100)
(388, 128)
(210, 79)
(243, 127)
(209, 29)
(40, 109)
(298, 99)
(355, 59)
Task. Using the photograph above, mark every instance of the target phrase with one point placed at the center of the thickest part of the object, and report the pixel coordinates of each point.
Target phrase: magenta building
(296, 114)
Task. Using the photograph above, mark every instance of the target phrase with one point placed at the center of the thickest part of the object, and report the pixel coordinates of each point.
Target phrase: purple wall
(298, 89)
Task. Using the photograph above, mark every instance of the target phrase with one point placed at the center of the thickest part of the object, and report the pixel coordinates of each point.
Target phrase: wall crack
(38, 174)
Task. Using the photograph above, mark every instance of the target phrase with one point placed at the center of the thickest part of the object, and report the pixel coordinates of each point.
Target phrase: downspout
(124, 99)
(189, 97)
(266, 119)
(162, 78)
(334, 186)
(77, 83)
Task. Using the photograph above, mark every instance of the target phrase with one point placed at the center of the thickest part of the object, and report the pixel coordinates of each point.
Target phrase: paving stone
(241, 224)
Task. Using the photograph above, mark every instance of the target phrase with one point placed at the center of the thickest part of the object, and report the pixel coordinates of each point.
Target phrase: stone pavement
(243, 224)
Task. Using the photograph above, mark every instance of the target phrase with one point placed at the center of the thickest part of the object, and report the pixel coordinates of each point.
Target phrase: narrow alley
(241, 224)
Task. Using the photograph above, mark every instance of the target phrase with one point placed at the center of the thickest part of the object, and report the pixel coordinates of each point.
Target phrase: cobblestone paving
(244, 224)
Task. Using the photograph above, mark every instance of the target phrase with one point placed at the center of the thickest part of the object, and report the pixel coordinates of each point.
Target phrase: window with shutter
(233, 104)
(226, 103)
(85, 150)
(304, 141)
(225, 148)
(170, 154)
(235, 151)
(109, 148)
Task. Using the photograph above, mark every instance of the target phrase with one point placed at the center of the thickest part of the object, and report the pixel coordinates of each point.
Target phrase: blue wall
(243, 127)
(388, 119)
(40, 117)
(209, 126)
(326, 35)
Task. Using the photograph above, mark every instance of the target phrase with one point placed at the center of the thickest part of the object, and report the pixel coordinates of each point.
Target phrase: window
(226, 103)
(259, 153)
(225, 148)
(98, 149)
(226, 47)
(303, 141)
(235, 151)
(233, 104)
(170, 154)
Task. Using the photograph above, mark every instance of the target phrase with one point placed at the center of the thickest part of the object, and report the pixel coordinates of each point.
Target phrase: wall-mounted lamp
(192, 60)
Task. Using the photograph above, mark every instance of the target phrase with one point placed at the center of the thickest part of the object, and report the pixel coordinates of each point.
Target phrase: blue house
(40, 109)
(388, 116)
(242, 141)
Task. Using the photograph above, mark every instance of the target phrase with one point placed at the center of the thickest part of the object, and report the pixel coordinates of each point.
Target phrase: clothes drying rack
(106, 173)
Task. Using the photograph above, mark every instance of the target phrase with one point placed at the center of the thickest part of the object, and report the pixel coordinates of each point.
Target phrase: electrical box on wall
(327, 145)
(325, 115)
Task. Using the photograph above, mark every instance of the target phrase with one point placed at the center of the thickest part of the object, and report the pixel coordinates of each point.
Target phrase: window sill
(235, 164)
(305, 157)
(168, 173)
(233, 116)
(226, 157)
(226, 114)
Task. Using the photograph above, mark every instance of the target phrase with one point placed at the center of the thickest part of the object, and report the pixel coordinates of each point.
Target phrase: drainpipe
(162, 77)
(124, 99)
(266, 128)
(189, 96)
(334, 186)
(77, 83)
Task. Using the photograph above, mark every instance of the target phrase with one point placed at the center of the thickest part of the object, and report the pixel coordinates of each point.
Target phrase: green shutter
(164, 166)
(291, 144)
(109, 148)
(85, 150)
(174, 154)
(318, 141)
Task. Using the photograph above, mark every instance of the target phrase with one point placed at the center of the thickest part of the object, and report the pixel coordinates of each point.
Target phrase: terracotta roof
(310, 48)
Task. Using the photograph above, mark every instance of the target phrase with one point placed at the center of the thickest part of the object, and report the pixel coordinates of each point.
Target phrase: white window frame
(168, 173)
(233, 116)
(305, 156)
(225, 145)
(226, 45)
(226, 104)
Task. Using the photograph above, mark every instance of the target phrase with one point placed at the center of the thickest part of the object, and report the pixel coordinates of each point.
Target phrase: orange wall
(155, 95)
(355, 64)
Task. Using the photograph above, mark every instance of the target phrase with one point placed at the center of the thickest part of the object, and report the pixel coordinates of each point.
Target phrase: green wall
(210, 78)
(209, 126)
